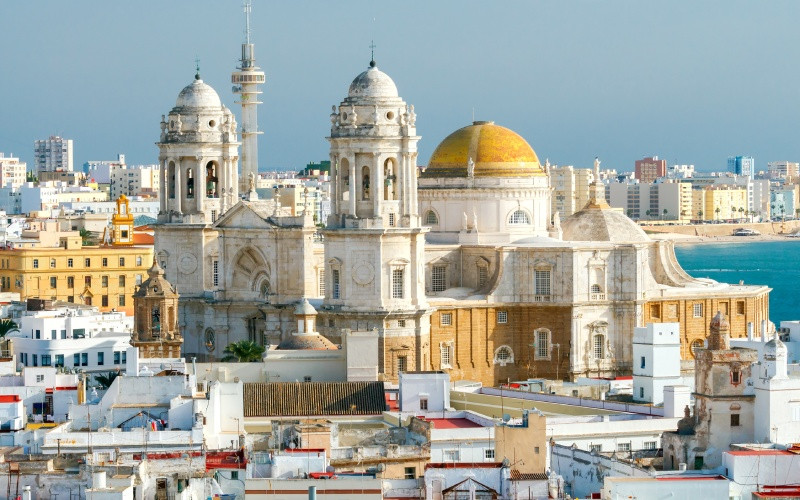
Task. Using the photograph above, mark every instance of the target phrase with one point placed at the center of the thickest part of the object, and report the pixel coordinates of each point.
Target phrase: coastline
(685, 239)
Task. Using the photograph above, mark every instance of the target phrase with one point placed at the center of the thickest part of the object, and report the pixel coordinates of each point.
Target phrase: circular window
(390, 115)
(212, 124)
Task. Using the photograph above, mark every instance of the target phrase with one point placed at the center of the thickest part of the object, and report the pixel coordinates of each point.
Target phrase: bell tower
(198, 156)
(374, 241)
(155, 304)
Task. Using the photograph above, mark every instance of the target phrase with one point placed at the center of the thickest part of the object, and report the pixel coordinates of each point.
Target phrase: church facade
(461, 267)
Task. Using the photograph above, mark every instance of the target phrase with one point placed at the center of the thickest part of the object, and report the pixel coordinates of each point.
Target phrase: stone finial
(720, 337)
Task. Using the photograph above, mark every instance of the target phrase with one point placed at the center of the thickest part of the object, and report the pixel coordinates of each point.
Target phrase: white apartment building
(48, 196)
(100, 170)
(12, 171)
(134, 180)
(658, 201)
(680, 172)
(71, 336)
(54, 153)
(570, 188)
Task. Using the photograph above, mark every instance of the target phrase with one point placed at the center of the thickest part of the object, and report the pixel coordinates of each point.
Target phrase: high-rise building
(245, 83)
(650, 169)
(570, 189)
(12, 171)
(783, 169)
(742, 165)
(653, 201)
(53, 154)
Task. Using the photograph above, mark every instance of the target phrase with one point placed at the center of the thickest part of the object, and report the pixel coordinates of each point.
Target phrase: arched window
(389, 179)
(211, 180)
(519, 217)
(697, 344)
(430, 218)
(503, 356)
(189, 183)
(596, 289)
(599, 350)
(542, 343)
(344, 175)
(365, 183)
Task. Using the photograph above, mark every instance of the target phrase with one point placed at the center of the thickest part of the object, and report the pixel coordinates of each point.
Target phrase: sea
(772, 263)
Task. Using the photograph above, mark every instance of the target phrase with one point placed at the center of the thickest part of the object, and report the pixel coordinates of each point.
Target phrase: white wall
(431, 386)
(656, 361)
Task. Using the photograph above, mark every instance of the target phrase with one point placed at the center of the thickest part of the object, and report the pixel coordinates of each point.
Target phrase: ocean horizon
(770, 263)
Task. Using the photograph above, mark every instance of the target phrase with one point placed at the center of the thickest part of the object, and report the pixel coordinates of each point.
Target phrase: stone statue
(375, 115)
(470, 168)
(474, 219)
(163, 128)
(251, 178)
(596, 169)
(557, 220)
(412, 116)
(465, 222)
(404, 117)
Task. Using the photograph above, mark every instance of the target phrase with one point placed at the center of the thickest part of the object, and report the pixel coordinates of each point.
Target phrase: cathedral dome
(373, 83)
(602, 224)
(494, 150)
(198, 95)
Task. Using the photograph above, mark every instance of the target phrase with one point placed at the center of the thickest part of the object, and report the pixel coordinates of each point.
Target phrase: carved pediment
(250, 215)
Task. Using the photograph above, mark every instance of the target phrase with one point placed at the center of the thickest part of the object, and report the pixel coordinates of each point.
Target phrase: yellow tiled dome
(495, 150)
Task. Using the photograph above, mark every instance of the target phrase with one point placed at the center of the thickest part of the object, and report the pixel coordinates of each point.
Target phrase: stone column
(163, 188)
(200, 187)
(178, 190)
(376, 185)
(353, 182)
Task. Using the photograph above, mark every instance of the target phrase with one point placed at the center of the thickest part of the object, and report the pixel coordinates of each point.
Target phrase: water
(771, 263)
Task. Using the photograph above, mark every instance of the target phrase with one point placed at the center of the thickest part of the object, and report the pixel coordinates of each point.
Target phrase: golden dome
(495, 150)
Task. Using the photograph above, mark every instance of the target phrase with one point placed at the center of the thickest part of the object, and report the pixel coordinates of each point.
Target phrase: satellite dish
(506, 417)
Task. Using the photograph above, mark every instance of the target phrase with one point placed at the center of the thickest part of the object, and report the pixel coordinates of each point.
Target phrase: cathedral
(460, 266)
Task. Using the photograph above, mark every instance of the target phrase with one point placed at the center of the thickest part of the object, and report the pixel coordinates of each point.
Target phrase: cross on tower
(197, 67)
(372, 50)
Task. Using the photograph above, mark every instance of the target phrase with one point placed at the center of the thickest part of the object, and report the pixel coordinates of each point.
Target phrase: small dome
(602, 224)
(307, 342)
(304, 308)
(373, 83)
(495, 151)
(198, 95)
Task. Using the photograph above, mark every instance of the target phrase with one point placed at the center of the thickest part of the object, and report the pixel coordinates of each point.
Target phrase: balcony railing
(542, 298)
(597, 296)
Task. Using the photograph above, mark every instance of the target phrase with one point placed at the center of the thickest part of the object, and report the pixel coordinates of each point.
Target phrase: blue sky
(693, 82)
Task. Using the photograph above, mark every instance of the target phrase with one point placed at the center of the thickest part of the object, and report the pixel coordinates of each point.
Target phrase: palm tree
(665, 213)
(700, 215)
(87, 237)
(7, 326)
(106, 379)
(741, 210)
(717, 210)
(243, 351)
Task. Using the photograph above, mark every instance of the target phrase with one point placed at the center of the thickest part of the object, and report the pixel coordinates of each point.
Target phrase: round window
(390, 115)
(212, 124)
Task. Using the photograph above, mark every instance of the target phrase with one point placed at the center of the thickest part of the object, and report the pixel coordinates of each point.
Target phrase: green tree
(87, 237)
(665, 213)
(7, 326)
(30, 176)
(243, 351)
(105, 379)
(717, 210)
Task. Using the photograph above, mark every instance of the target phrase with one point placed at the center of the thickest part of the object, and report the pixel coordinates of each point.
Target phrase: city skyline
(689, 83)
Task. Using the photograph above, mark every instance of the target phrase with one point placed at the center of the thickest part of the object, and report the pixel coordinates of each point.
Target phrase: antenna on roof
(248, 7)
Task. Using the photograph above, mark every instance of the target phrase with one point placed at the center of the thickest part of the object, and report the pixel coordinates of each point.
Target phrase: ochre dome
(495, 150)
